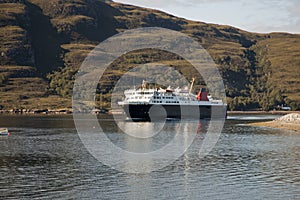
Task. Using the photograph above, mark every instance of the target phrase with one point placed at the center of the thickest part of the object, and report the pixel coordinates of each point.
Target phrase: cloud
(255, 16)
(289, 27)
(294, 8)
(152, 3)
(168, 3)
(293, 18)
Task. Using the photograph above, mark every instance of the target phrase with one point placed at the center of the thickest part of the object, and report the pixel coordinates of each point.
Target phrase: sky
(262, 16)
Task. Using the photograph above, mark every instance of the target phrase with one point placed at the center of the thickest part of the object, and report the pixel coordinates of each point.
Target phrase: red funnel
(202, 95)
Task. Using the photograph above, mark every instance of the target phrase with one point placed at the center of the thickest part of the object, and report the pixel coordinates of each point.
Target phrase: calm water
(45, 159)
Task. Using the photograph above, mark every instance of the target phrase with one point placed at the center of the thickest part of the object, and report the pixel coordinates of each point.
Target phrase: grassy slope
(18, 84)
(55, 36)
(283, 51)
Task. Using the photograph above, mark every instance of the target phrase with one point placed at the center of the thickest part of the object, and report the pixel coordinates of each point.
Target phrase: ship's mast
(144, 85)
(192, 85)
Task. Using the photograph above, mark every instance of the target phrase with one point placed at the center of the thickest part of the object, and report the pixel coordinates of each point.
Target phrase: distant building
(285, 107)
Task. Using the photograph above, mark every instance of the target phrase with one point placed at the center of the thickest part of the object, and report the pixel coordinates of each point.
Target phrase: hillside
(43, 43)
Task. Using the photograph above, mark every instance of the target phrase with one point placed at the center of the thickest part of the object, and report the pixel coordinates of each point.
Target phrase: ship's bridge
(139, 96)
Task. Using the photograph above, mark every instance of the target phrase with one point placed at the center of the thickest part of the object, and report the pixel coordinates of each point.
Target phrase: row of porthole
(163, 97)
(140, 97)
(166, 101)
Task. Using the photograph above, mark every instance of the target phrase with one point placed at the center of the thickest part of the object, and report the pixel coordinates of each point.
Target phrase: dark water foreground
(45, 159)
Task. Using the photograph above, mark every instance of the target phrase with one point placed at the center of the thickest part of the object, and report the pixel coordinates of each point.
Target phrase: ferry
(4, 132)
(156, 103)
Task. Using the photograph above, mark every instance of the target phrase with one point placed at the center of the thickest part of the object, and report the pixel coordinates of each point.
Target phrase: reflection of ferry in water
(148, 104)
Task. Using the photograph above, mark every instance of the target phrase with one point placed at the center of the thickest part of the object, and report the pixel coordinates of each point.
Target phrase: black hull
(157, 112)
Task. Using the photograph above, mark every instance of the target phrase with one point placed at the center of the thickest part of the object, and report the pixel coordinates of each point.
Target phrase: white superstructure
(165, 97)
(146, 103)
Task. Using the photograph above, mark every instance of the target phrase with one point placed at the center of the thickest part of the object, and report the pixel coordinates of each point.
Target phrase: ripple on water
(246, 163)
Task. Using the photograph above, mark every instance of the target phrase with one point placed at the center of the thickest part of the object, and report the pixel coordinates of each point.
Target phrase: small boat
(4, 132)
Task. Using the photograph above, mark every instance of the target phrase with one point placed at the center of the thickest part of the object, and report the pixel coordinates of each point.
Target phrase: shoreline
(290, 121)
(62, 111)
(272, 112)
(278, 125)
(70, 111)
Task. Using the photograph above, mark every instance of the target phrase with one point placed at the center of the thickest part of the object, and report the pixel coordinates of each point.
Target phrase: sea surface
(44, 158)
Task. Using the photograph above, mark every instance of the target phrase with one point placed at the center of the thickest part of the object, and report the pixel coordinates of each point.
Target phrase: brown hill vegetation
(43, 43)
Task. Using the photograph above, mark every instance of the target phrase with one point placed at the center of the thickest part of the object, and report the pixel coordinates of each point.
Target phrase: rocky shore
(50, 111)
(271, 112)
(37, 111)
(290, 122)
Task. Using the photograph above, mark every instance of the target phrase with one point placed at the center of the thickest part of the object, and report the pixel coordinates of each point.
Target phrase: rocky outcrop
(289, 122)
(289, 118)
